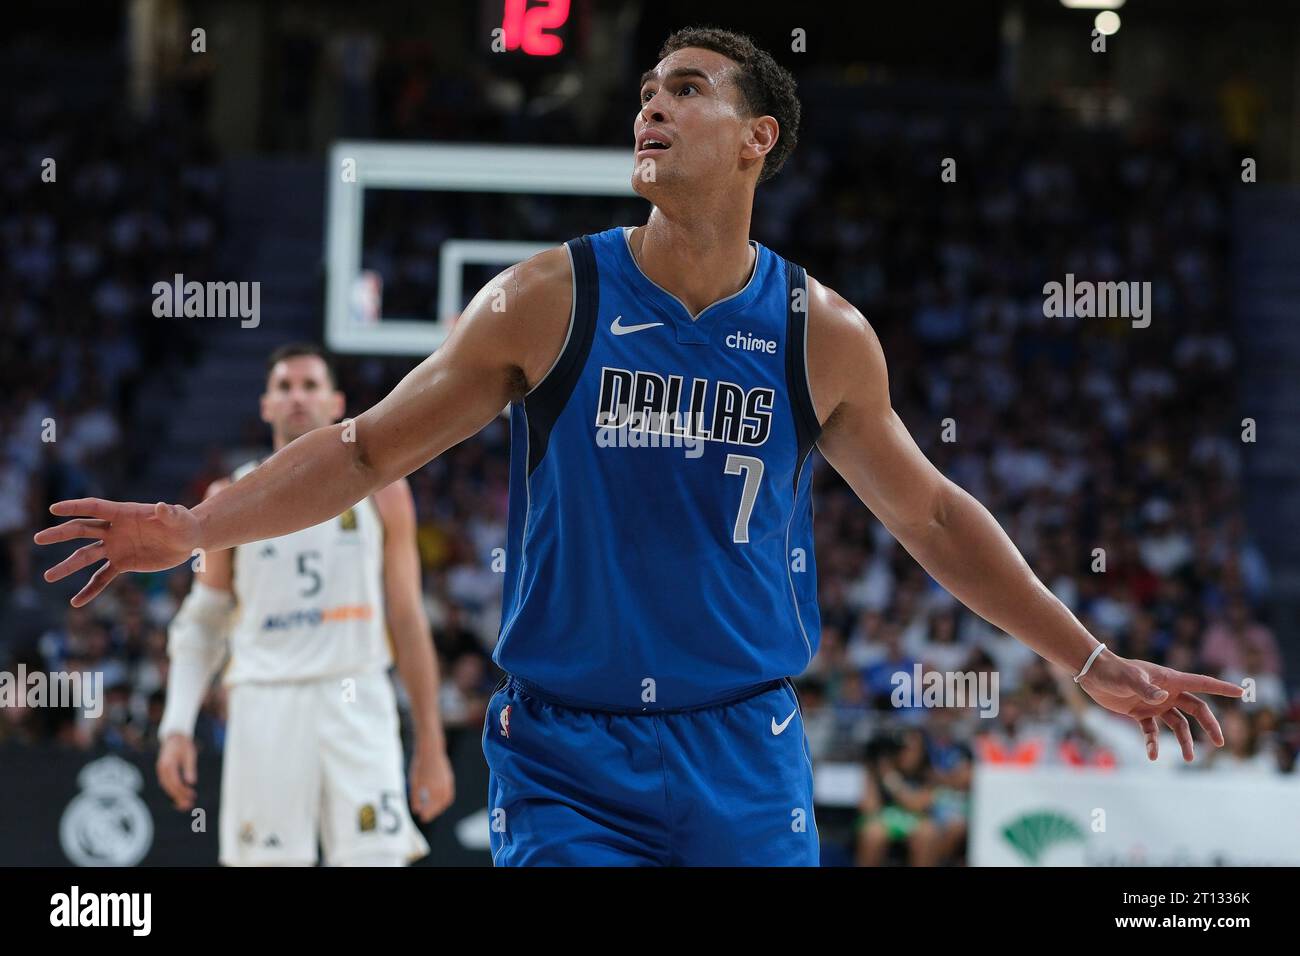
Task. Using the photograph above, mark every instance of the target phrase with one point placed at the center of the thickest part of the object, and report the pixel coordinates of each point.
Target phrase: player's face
(300, 397)
(690, 103)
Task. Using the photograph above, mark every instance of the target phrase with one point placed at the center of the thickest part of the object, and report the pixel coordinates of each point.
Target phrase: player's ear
(339, 405)
(261, 404)
(762, 136)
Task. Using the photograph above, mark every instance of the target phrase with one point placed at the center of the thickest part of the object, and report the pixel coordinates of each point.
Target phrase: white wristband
(1091, 657)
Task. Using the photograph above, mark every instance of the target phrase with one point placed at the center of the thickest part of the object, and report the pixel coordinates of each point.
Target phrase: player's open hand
(130, 536)
(432, 785)
(1147, 692)
(178, 769)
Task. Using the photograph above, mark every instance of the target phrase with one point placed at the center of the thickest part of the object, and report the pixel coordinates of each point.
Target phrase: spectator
(1227, 642)
(898, 803)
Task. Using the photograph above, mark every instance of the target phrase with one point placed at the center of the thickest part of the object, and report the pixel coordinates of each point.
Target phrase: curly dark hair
(766, 87)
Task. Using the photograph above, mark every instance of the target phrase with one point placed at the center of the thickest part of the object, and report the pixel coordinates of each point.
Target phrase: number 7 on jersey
(752, 469)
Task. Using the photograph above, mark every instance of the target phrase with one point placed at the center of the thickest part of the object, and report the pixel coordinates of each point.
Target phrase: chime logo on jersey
(719, 411)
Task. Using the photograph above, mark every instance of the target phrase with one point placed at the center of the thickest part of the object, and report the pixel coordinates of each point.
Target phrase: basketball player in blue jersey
(666, 384)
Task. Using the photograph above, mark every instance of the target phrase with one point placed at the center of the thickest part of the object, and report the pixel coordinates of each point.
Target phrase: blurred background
(201, 138)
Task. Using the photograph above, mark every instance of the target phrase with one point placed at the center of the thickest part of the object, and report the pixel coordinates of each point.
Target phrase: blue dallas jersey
(660, 551)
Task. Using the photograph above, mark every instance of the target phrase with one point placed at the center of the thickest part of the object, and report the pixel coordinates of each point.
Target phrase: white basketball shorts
(311, 759)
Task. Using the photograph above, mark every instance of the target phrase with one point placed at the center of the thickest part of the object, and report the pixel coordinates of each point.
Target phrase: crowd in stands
(1108, 451)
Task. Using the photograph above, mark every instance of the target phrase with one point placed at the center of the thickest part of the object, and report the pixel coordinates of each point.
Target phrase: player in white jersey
(312, 746)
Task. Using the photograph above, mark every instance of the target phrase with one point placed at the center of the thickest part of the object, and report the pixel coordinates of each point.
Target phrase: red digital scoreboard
(534, 30)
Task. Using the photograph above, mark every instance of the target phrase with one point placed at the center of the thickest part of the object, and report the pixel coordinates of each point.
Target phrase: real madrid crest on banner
(107, 824)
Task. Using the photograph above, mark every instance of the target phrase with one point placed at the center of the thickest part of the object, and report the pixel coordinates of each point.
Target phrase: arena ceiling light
(1092, 4)
(1107, 23)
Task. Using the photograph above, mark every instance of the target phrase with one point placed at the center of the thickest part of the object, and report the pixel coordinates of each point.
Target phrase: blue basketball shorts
(724, 785)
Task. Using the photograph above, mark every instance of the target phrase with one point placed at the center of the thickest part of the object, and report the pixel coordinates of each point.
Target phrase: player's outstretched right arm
(508, 337)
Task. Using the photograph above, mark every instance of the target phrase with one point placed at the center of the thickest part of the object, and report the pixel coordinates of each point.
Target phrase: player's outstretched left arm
(959, 543)
(431, 784)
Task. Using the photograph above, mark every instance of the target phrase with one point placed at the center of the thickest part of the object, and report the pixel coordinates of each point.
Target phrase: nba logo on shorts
(505, 721)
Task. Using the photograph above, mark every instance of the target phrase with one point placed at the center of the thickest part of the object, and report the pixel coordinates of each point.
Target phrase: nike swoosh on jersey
(778, 728)
(618, 329)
